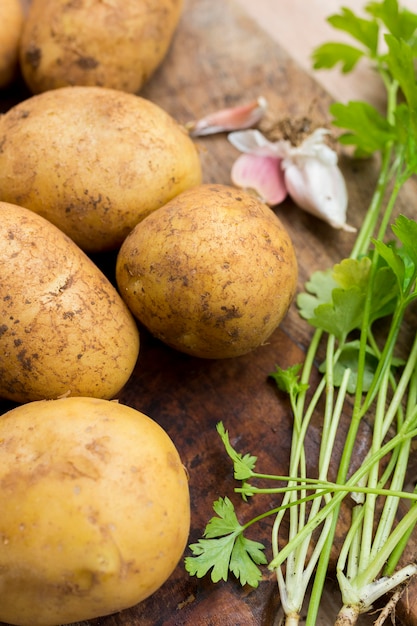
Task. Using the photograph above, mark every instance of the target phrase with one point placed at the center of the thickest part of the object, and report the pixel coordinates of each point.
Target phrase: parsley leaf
(336, 301)
(363, 30)
(226, 522)
(406, 130)
(288, 380)
(225, 549)
(398, 21)
(391, 255)
(319, 290)
(353, 272)
(246, 555)
(402, 261)
(337, 298)
(385, 293)
(406, 231)
(368, 130)
(210, 554)
(342, 315)
(349, 360)
(400, 61)
(243, 465)
(328, 55)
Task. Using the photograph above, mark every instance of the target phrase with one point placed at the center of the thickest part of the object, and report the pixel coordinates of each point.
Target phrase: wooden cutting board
(219, 57)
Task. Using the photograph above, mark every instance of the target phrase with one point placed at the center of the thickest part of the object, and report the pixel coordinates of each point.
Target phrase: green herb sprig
(344, 304)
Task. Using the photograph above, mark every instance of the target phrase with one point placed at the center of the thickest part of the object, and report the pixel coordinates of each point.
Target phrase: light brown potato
(11, 24)
(117, 43)
(63, 327)
(93, 161)
(95, 510)
(212, 273)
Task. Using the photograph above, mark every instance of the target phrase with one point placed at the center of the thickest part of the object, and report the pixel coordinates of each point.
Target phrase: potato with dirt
(212, 273)
(64, 330)
(93, 161)
(116, 43)
(95, 510)
(11, 25)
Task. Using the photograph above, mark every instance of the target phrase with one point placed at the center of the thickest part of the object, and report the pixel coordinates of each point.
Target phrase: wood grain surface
(221, 57)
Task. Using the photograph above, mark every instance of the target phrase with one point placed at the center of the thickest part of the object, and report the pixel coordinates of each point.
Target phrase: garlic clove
(261, 174)
(308, 172)
(319, 189)
(229, 119)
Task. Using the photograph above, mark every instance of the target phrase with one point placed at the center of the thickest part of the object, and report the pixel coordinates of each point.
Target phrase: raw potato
(117, 43)
(11, 24)
(63, 327)
(212, 273)
(95, 510)
(93, 161)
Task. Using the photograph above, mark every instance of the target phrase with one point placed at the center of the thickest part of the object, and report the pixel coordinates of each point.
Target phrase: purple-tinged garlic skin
(262, 175)
(229, 119)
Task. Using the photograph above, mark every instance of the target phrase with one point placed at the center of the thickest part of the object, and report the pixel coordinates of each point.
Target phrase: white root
(292, 620)
(347, 616)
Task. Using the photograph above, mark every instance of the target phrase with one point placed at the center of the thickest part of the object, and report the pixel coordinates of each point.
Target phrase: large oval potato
(117, 44)
(93, 161)
(11, 24)
(63, 327)
(212, 273)
(95, 510)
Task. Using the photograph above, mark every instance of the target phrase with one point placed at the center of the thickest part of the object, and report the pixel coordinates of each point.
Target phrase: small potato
(212, 273)
(93, 161)
(116, 44)
(95, 510)
(63, 327)
(11, 24)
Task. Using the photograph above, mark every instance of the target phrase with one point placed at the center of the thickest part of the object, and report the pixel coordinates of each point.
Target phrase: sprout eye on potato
(93, 161)
(116, 44)
(212, 273)
(95, 510)
(63, 327)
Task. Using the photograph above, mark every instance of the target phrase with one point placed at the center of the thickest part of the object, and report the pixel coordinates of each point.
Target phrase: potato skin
(116, 44)
(63, 327)
(93, 161)
(212, 273)
(95, 510)
(11, 24)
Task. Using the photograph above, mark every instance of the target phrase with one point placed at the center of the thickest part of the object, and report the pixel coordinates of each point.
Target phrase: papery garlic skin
(252, 141)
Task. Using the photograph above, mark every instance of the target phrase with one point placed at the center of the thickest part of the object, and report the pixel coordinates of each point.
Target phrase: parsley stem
(376, 565)
(363, 240)
(385, 360)
(362, 245)
(399, 548)
(408, 431)
(321, 487)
